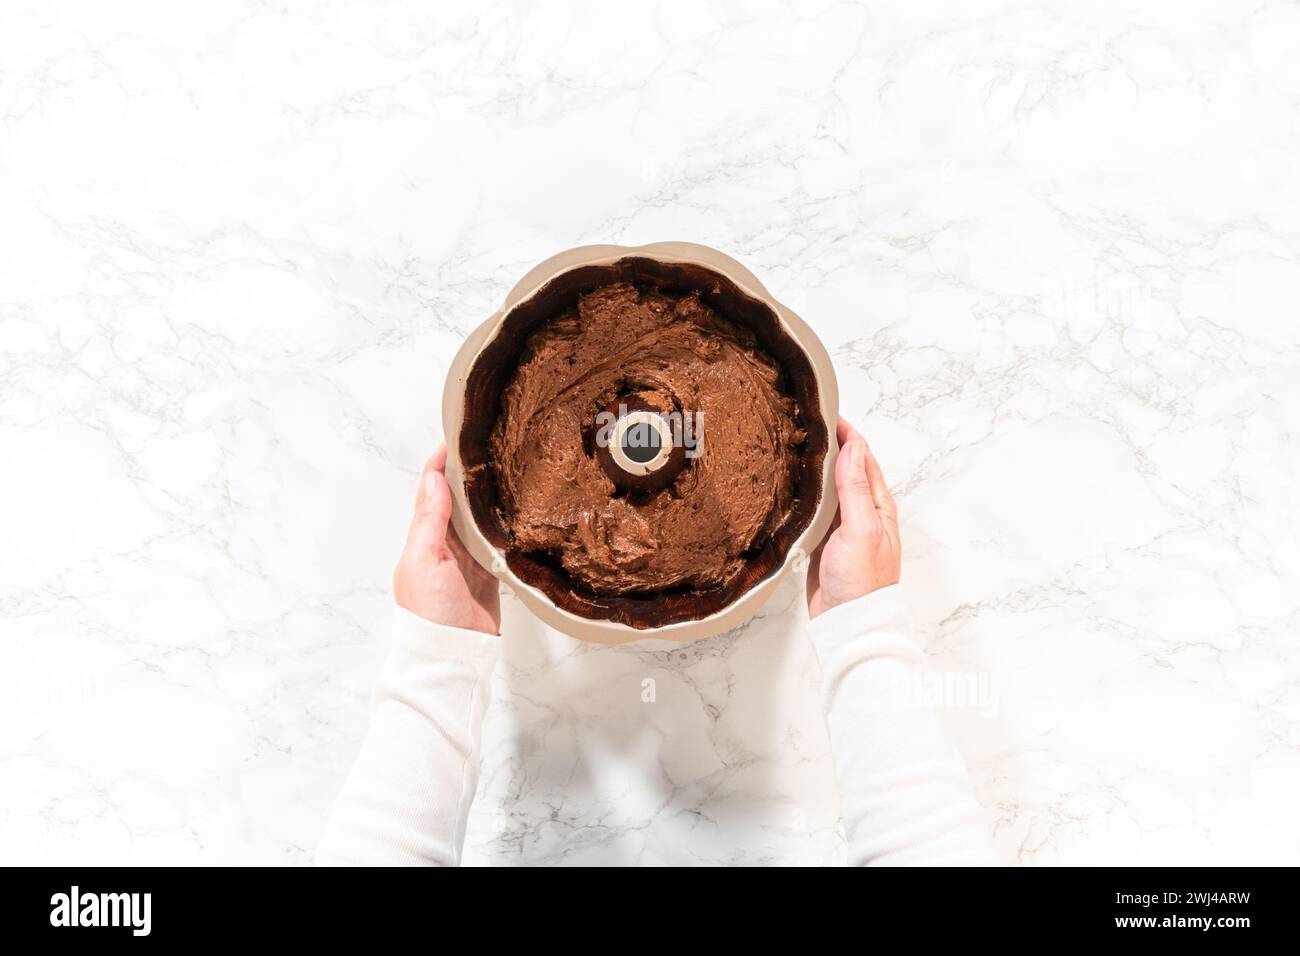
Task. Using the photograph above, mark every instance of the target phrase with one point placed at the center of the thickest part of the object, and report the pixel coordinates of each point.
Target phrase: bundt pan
(471, 405)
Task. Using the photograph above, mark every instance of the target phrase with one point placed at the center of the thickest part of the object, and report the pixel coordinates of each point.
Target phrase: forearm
(408, 795)
(905, 794)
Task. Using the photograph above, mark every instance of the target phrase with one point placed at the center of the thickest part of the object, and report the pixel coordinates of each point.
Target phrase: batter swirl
(676, 354)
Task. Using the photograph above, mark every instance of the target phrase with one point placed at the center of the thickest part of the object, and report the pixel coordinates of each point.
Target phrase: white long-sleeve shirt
(905, 796)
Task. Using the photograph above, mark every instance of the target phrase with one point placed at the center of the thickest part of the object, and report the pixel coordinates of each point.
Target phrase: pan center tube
(641, 451)
(642, 443)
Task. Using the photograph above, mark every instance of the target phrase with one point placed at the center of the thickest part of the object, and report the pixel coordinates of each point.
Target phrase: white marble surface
(1054, 250)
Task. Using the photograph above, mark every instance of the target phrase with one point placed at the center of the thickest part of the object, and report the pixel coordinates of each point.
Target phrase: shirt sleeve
(905, 795)
(408, 795)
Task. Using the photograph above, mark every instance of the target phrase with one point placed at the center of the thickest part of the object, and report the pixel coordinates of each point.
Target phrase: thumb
(857, 510)
(432, 507)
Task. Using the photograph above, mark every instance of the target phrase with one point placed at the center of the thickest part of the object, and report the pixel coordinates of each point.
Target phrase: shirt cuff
(414, 638)
(883, 607)
(882, 615)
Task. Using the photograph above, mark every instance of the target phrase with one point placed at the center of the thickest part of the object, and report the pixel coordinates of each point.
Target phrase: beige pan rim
(453, 416)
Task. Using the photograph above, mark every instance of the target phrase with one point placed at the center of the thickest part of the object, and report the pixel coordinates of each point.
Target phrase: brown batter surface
(677, 354)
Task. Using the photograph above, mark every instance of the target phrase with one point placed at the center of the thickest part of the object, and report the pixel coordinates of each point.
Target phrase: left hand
(436, 578)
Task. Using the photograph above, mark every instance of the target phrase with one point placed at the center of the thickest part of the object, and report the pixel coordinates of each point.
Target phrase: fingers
(432, 506)
(880, 495)
(857, 510)
(864, 495)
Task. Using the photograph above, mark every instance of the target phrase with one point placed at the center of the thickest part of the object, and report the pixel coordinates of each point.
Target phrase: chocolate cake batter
(676, 354)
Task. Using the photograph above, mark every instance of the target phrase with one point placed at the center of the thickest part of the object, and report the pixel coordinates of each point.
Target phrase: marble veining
(1054, 252)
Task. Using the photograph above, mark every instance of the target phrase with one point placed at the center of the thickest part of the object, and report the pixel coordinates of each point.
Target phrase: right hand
(862, 553)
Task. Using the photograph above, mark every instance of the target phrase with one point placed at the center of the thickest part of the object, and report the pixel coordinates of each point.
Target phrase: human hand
(862, 552)
(436, 578)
